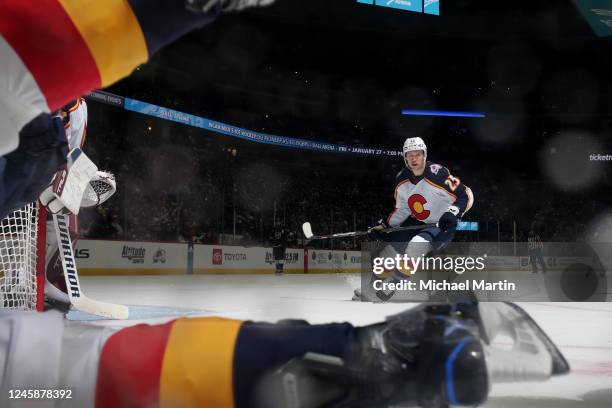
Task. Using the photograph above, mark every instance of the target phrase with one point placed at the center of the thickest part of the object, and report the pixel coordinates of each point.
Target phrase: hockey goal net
(22, 253)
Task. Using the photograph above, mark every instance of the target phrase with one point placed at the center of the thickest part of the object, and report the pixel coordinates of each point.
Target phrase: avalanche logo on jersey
(416, 203)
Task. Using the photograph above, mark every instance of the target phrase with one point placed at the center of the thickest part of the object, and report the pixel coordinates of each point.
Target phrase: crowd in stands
(181, 184)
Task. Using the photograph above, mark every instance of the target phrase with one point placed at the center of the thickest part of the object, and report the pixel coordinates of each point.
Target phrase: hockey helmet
(412, 144)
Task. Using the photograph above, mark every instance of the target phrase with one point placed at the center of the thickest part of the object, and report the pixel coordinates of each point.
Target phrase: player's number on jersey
(452, 182)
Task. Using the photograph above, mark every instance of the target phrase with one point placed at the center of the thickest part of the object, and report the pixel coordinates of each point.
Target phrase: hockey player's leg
(418, 246)
(533, 262)
(367, 291)
(431, 242)
(431, 355)
(542, 262)
(278, 253)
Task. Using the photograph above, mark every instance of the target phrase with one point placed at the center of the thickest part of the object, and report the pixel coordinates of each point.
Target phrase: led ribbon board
(418, 112)
(210, 125)
(418, 6)
(598, 13)
(467, 226)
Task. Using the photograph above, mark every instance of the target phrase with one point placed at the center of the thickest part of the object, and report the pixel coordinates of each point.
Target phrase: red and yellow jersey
(198, 362)
(428, 196)
(56, 50)
(184, 363)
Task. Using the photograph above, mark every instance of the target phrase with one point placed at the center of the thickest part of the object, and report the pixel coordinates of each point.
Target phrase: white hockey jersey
(74, 116)
(428, 196)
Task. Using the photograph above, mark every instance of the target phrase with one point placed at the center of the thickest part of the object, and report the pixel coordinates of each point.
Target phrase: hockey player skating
(52, 52)
(279, 248)
(425, 193)
(431, 356)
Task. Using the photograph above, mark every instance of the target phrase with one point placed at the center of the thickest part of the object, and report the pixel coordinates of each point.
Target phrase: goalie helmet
(414, 143)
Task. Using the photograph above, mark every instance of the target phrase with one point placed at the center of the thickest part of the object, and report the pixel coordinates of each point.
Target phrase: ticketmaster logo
(600, 157)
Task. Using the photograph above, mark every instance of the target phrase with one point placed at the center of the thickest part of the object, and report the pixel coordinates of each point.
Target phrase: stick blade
(103, 309)
(307, 230)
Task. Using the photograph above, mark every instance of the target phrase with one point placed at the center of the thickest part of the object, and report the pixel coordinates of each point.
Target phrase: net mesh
(18, 249)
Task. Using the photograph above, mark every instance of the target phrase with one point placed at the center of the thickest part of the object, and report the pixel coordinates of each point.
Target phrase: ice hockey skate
(433, 355)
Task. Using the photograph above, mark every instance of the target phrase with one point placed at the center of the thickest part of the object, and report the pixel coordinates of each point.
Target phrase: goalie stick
(75, 293)
(307, 230)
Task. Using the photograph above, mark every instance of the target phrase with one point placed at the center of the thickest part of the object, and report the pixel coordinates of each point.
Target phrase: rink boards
(111, 257)
(108, 257)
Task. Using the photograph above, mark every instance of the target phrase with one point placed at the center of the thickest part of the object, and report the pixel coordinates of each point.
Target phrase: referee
(536, 251)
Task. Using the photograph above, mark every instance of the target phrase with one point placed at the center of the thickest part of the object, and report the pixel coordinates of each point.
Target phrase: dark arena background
(341, 72)
(244, 148)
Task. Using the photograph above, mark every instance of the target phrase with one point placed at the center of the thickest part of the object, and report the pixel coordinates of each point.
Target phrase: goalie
(79, 184)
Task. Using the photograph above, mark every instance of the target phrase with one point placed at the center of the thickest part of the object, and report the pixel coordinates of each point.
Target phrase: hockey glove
(65, 194)
(448, 220)
(101, 187)
(375, 231)
(380, 225)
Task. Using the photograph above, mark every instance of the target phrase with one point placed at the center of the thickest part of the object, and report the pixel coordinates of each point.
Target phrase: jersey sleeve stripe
(431, 183)
(45, 38)
(76, 105)
(198, 363)
(112, 33)
(129, 379)
(470, 195)
(84, 136)
(470, 198)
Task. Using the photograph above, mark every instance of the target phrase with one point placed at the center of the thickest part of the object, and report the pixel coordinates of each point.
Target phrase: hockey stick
(307, 230)
(77, 297)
